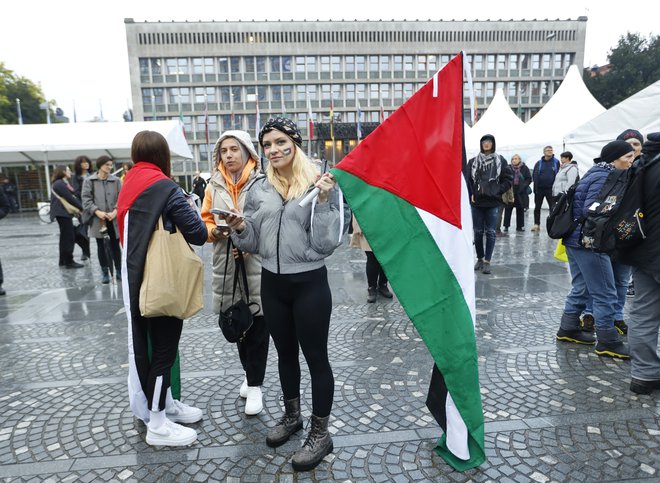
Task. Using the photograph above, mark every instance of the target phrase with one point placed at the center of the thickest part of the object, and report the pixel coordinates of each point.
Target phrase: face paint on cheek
(286, 151)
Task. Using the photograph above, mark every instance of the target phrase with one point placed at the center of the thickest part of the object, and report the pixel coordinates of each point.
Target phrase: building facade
(235, 75)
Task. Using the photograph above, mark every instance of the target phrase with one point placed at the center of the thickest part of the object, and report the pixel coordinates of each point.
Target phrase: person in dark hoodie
(644, 321)
(488, 176)
(545, 171)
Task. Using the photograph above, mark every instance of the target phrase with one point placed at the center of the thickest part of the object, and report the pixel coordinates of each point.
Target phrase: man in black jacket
(543, 176)
(645, 259)
(5, 207)
(488, 176)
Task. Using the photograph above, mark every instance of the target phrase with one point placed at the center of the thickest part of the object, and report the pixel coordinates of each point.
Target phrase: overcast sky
(76, 49)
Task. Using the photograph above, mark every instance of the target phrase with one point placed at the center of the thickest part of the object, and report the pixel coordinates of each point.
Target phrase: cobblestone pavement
(553, 412)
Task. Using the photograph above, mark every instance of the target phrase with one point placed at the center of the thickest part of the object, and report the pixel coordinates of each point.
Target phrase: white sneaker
(182, 413)
(171, 434)
(254, 403)
(243, 390)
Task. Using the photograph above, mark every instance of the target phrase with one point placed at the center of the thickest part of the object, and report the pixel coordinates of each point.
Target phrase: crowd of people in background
(253, 218)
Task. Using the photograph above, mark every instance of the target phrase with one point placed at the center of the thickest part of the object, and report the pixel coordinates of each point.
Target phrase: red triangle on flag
(417, 153)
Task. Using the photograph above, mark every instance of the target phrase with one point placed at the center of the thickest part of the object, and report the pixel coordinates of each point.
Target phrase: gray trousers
(643, 327)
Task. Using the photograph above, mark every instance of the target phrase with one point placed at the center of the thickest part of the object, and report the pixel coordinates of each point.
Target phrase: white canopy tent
(498, 120)
(641, 111)
(569, 107)
(62, 143)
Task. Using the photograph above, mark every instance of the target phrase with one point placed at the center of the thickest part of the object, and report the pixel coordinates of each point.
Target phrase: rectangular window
(373, 63)
(144, 66)
(170, 66)
(490, 89)
(236, 94)
(513, 62)
(261, 64)
(360, 63)
(349, 61)
(384, 91)
(501, 62)
(276, 93)
(300, 64)
(336, 63)
(513, 90)
(286, 63)
(524, 61)
(408, 63)
(312, 92)
(490, 62)
(433, 64)
(301, 94)
(249, 64)
(421, 63)
(398, 91)
(373, 91)
(275, 65)
(325, 63)
(558, 59)
(361, 90)
(398, 63)
(385, 64)
(536, 61)
(223, 65)
(311, 64)
(325, 92)
(407, 90)
(478, 62)
(546, 61)
(535, 88)
(350, 91)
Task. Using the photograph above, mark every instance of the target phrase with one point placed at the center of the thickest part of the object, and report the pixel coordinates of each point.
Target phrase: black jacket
(545, 172)
(646, 255)
(65, 190)
(5, 207)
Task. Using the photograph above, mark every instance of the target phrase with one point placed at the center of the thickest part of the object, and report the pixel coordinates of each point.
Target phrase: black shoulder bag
(236, 320)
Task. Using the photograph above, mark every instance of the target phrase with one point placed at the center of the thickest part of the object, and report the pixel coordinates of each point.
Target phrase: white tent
(54, 143)
(641, 111)
(569, 107)
(498, 120)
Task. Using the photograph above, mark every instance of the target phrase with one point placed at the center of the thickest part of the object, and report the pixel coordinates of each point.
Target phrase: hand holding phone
(226, 213)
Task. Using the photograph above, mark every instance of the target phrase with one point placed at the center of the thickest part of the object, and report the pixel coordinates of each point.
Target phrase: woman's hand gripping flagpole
(322, 188)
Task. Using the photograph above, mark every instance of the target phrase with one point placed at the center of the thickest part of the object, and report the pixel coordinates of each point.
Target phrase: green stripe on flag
(431, 296)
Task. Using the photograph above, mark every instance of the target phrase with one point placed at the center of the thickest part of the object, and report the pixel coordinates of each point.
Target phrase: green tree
(634, 65)
(14, 87)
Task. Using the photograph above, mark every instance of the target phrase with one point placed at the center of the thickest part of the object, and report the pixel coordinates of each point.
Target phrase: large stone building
(232, 70)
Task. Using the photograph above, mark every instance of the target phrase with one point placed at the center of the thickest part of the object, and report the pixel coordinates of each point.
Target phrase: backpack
(628, 221)
(598, 232)
(560, 222)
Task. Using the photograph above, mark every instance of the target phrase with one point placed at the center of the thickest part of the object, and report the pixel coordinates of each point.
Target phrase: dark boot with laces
(288, 424)
(317, 445)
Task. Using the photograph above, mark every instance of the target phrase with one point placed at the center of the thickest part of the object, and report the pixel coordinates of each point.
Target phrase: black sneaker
(617, 349)
(643, 387)
(385, 292)
(74, 265)
(576, 336)
(587, 323)
(621, 327)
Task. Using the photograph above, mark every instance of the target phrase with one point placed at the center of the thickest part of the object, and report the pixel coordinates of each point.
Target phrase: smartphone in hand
(225, 213)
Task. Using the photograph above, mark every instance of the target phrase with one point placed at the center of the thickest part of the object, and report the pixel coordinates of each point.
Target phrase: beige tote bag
(173, 280)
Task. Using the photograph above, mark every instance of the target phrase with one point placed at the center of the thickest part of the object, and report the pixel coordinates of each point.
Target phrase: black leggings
(164, 333)
(67, 239)
(297, 308)
(375, 274)
(253, 351)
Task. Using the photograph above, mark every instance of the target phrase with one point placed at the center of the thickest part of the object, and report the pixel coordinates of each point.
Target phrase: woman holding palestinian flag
(293, 242)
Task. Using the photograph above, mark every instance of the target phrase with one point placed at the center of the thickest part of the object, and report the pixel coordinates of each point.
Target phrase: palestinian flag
(405, 185)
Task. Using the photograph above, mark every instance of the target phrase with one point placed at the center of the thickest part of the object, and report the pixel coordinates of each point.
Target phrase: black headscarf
(282, 124)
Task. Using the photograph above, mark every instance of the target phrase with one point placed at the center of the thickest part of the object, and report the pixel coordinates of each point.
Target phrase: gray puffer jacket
(290, 239)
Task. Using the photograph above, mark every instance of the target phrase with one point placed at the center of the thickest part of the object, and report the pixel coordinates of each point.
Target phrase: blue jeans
(621, 281)
(592, 276)
(485, 220)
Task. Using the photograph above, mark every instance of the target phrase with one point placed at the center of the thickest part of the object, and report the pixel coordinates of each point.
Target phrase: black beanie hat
(613, 151)
(631, 133)
(282, 124)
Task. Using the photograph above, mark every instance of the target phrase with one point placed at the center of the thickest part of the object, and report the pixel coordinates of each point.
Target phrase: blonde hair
(304, 175)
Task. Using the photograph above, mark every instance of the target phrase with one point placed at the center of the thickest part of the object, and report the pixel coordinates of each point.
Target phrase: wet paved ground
(553, 412)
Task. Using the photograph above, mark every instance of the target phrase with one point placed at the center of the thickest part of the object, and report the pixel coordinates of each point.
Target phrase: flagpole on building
(359, 126)
(18, 109)
(206, 132)
(310, 124)
(257, 127)
(332, 128)
(75, 117)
